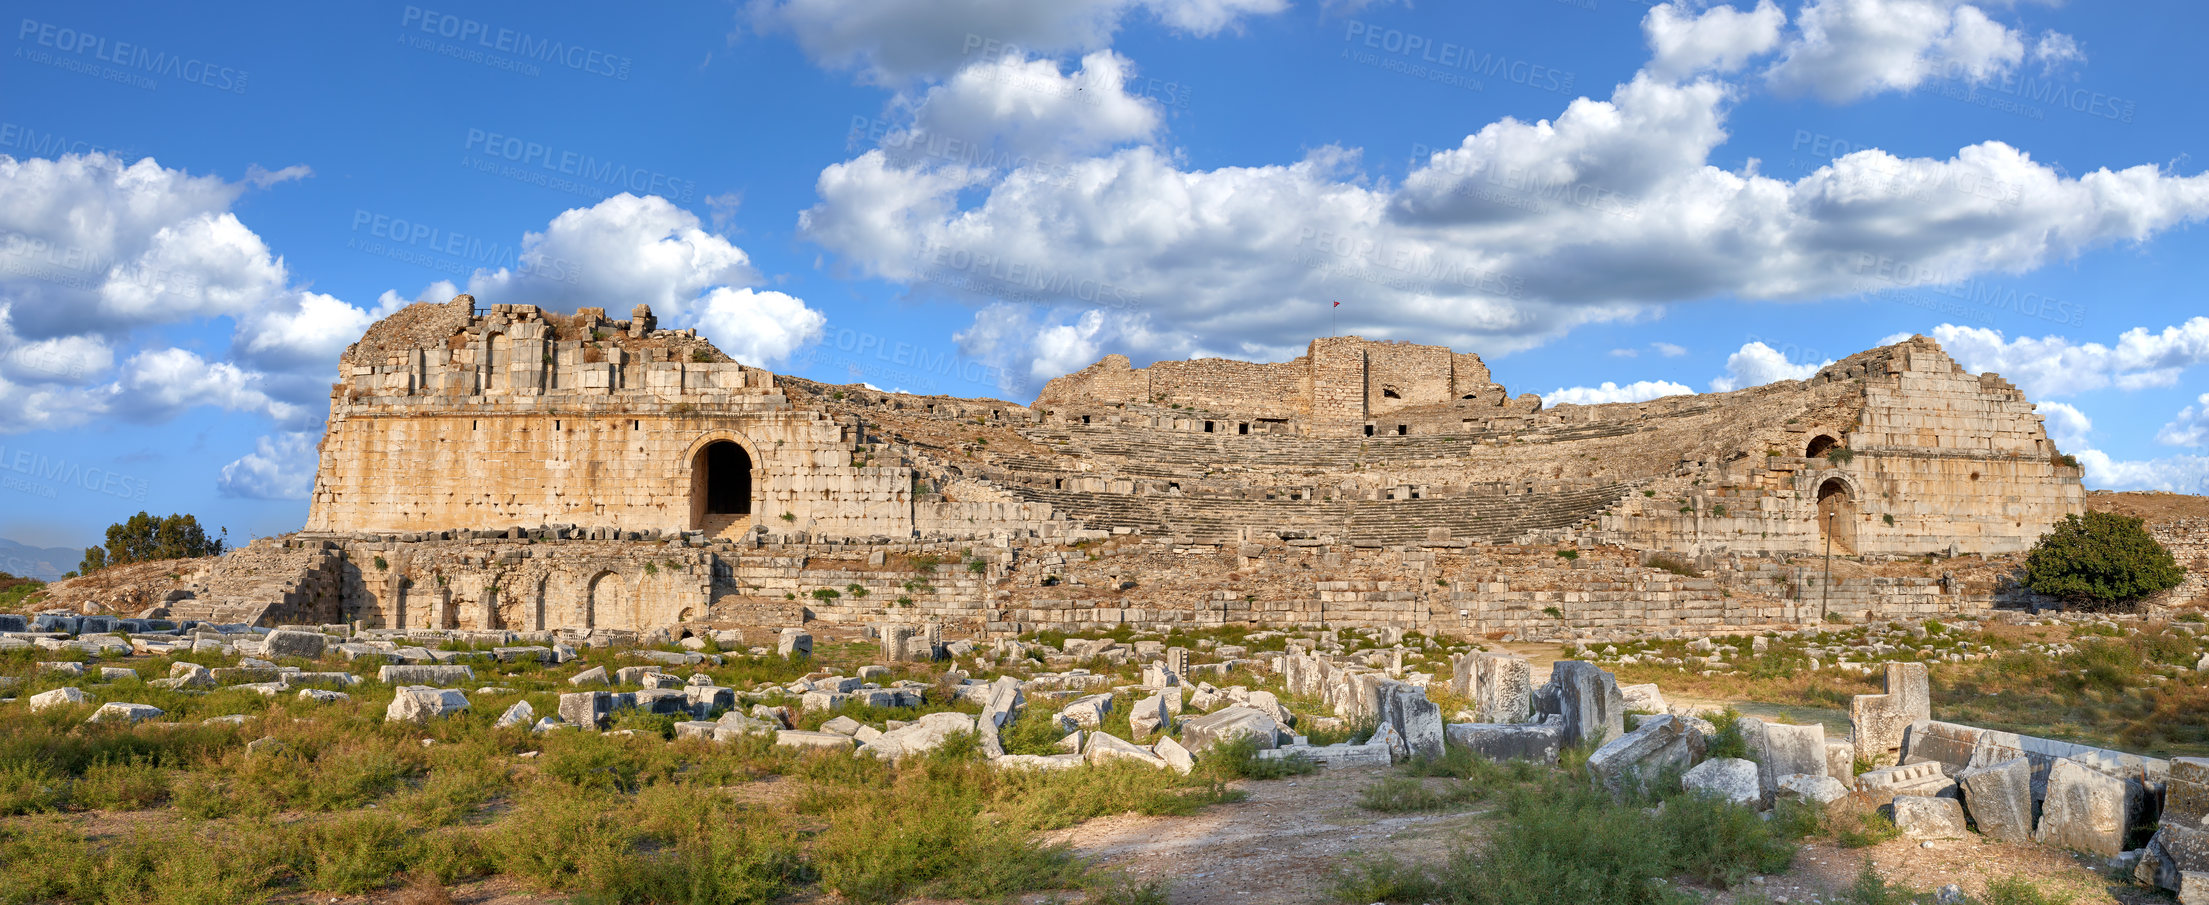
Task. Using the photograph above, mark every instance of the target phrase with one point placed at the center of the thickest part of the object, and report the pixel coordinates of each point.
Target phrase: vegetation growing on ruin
(145, 538)
(2101, 558)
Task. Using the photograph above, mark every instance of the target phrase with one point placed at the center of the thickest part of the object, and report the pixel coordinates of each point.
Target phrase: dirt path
(1278, 847)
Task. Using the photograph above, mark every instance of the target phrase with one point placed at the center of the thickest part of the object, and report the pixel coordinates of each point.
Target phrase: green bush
(1729, 740)
(2102, 558)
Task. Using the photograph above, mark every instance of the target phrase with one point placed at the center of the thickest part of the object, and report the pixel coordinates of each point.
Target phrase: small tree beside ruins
(2103, 558)
(145, 538)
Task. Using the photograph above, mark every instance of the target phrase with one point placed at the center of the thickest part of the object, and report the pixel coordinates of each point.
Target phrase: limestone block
(816, 741)
(119, 712)
(323, 695)
(290, 643)
(1781, 749)
(2000, 798)
(57, 697)
(1104, 747)
(820, 700)
(423, 675)
(1086, 712)
(1879, 721)
(1589, 699)
(1663, 745)
(1928, 817)
(422, 703)
(1506, 689)
(1729, 778)
(519, 716)
(2086, 810)
(920, 736)
(1537, 742)
(794, 643)
(1004, 701)
(1148, 715)
(588, 709)
(1176, 757)
(634, 675)
(1884, 784)
(1822, 791)
(1840, 760)
(1038, 762)
(1405, 708)
(842, 725)
(1202, 732)
(1643, 698)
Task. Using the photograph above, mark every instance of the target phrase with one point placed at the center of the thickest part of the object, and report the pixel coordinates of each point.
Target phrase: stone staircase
(1484, 517)
(721, 526)
(270, 581)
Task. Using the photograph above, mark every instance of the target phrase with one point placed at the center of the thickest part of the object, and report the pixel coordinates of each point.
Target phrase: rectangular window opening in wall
(1085, 419)
(555, 425)
(1242, 428)
(1403, 429)
(1208, 429)
(1369, 430)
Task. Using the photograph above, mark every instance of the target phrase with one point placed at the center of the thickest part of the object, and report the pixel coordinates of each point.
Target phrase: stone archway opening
(606, 603)
(1837, 515)
(721, 488)
(1820, 445)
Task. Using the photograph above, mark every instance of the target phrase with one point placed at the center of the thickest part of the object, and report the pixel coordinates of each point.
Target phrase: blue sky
(1608, 199)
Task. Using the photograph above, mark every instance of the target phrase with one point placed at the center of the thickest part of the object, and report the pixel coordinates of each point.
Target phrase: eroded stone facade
(510, 468)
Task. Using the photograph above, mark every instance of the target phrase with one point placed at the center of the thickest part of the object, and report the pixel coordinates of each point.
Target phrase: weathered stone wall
(506, 423)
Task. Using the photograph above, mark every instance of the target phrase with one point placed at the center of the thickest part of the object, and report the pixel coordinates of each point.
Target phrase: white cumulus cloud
(1842, 50)
(758, 327)
(1720, 39)
(2049, 366)
(1638, 391)
(894, 41)
(2190, 427)
(1756, 364)
(281, 467)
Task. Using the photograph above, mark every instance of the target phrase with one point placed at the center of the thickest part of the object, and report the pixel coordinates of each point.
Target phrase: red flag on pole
(1338, 304)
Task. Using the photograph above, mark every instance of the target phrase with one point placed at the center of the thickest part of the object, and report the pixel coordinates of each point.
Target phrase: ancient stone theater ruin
(510, 467)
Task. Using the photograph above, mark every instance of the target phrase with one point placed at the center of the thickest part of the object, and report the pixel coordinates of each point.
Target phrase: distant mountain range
(42, 563)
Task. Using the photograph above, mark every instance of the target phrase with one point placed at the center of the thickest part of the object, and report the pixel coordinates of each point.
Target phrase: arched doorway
(607, 603)
(1820, 445)
(720, 486)
(1837, 514)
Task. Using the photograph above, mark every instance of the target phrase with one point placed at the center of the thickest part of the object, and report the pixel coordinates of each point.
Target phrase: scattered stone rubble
(1937, 779)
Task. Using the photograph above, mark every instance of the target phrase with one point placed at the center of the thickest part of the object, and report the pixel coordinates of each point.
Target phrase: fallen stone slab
(2000, 798)
(1589, 699)
(323, 695)
(290, 643)
(1637, 761)
(1200, 733)
(1335, 757)
(1038, 762)
(2087, 810)
(57, 698)
(1406, 709)
(1821, 791)
(119, 712)
(422, 703)
(1537, 742)
(1104, 747)
(816, 741)
(1177, 758)
(595, 675)
(1731, 779)
(519, 716)
(1929, 817)
(920, 736)
(404, 674)
(1780, 749)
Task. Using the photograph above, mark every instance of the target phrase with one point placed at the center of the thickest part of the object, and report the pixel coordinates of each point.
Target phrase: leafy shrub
(2102, 558)
(1729, 740)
